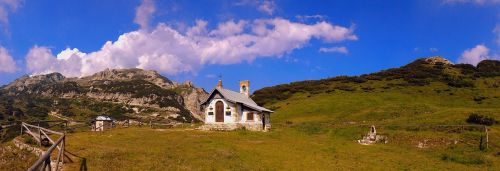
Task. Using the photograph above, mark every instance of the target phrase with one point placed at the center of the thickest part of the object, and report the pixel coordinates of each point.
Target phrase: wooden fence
(41, 134)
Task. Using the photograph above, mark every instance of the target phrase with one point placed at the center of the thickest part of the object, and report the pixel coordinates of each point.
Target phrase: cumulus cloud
(7, 63)
(144, 13)
(170, 51)
(229, 28)
(304, 18)
(267, 7)
(475, 55)
(341, 49)
(40, 60)
(6, 7)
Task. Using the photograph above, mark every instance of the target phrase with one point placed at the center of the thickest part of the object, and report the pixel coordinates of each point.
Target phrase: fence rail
(45, 161)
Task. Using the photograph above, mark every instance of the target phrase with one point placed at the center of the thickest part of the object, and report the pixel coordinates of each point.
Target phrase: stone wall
(233, 126)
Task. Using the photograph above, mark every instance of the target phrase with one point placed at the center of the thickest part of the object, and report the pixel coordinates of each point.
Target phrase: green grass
(294, 147)
(430, 104)
(317, 132)
(316, 125)
(12, 158)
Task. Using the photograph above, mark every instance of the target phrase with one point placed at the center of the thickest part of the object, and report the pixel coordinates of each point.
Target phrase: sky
(268, 42)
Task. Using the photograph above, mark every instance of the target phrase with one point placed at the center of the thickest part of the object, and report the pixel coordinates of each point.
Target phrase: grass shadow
(83, 163)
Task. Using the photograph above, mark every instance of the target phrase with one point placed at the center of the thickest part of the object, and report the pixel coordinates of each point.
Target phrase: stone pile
(372, 137)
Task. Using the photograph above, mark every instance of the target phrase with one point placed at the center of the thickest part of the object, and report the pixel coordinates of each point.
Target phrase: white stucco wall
(227, 118)
(238, 114)
(256, 117)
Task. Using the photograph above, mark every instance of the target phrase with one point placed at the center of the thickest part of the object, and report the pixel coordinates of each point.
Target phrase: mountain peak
(132, 74)
(26, 81)
(438, 60)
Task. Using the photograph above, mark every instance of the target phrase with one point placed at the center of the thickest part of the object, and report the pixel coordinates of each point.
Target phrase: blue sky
(199, 40)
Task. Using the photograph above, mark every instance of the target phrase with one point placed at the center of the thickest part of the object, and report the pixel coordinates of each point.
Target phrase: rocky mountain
(122, 93)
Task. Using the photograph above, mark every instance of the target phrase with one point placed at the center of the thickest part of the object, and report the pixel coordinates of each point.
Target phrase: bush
(372, 77)
(479, 98)
(489, 68)
(418, 82)
(358, 79)
(458, 82)
(28, 139)
(345, 88)
(367, 88)
(481, 119)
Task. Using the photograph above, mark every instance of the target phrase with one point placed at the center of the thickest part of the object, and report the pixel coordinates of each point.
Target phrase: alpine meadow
(249, 85)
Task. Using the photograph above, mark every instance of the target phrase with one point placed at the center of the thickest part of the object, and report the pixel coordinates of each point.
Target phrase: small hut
(101, 123)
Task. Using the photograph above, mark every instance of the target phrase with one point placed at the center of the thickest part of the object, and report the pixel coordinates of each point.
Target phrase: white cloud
(304, 18)
(433, 50)
(171, 51)
(144, 13)
(7, 63)
(40, 60)
(229, 28)
(7, 7)
(341, 49)
(475, 55)
(267, 7)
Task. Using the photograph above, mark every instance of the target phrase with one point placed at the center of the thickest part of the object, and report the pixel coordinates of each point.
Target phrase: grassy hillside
(316, 125)
(387, 102)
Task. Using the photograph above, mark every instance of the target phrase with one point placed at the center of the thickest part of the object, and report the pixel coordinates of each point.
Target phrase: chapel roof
(236, 97)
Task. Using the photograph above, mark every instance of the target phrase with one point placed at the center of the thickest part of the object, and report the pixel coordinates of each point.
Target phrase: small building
(101, 123)
(227, 110)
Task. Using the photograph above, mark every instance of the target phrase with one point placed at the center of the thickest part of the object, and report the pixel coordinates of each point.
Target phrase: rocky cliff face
(134, 88)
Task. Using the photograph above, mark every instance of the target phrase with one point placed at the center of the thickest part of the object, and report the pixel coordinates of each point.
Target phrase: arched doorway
(219, 111)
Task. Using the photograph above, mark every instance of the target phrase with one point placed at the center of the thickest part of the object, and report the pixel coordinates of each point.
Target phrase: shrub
(466, 69)
(358, 79)
(489, 68)
(418, 82)
(481, 119)
(367, 88)
(372, 77)
(345, 88)
(479, 98)
(458, 81)
(28, 139)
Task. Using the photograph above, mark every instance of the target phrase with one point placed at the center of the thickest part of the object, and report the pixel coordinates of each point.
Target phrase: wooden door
(219, 112)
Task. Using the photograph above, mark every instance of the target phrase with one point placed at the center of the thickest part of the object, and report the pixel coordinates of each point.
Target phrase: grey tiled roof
(103, 118)
(236, 97)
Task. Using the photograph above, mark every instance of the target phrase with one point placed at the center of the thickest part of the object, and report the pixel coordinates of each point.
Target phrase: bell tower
(245, 87)
(219, 84)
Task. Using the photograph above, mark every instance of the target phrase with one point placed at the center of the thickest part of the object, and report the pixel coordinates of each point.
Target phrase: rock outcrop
(134, 87)
(438, 60)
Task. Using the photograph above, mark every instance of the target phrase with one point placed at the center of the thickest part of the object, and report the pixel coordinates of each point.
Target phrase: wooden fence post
(486, 130)
(39, 134)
